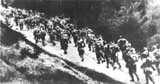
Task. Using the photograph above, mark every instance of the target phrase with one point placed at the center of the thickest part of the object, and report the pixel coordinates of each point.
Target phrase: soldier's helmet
(64, 36)
(80, 40)
(128, 44)
(145, 48)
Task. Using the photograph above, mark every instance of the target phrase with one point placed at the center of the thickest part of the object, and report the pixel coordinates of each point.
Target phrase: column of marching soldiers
(59, 28)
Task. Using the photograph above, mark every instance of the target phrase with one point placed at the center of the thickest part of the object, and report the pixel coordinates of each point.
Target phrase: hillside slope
(48, 68)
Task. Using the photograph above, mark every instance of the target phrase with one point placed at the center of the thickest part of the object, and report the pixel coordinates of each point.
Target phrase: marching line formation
(60, 28)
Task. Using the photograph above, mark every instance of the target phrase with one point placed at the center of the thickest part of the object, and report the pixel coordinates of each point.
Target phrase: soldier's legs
(75, 42)
(61, 44)
(118, 64)
(101, 58)
(82, 58)
(89, 46)
(65, 51)
(117, 61)
(147, 79)
(53, 40)
(43, 41)
(158, 69)
(65, 48)
(92, 47)
(107, 61)
(16, 22)
(83, 55)
(98, 58)
(136, 76)
(69, 40)
(21, 27)
(113, 63)
(150, 78)
(36, 39)
(81, 52)
(131, 75)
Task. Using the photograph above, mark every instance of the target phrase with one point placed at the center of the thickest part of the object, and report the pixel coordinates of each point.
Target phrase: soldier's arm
(153, 67)
(84, 44)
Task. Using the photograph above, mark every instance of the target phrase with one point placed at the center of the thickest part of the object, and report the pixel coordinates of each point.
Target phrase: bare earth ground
(49, 68)
(53, 67)
(91, 63)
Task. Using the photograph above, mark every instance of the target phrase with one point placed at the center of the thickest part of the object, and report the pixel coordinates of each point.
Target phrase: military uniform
(99, 53)
(131, 65)
(80, 48)
(64, 42)
(148, 68)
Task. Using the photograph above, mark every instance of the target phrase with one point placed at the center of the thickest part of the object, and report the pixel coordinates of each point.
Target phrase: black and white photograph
(79, 41)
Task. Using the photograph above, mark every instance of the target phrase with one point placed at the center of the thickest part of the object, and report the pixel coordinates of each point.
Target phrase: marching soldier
(21, 25)
(64, 42)
(35, 33)
(131, 65)
(99, 53)
(90, 44)
(75, 35)
(148, 68)
(43, 34)
(122, 43)
(115, 57)
(80, 48)
(39, 34)
(107, 54)
(52, 36)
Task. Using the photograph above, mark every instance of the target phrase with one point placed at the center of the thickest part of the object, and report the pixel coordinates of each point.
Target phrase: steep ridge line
(89, 72)
(61, 75)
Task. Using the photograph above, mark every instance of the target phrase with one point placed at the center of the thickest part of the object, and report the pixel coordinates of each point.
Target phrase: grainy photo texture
(79, 41)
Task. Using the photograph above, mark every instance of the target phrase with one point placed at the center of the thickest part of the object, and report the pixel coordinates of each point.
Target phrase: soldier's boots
(65, 52)
(82, 59)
